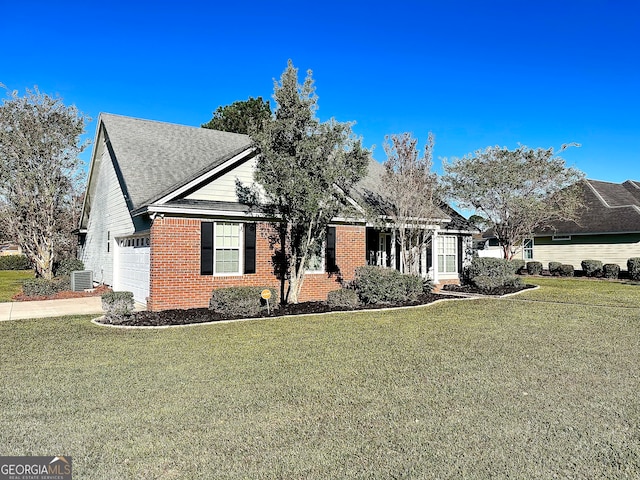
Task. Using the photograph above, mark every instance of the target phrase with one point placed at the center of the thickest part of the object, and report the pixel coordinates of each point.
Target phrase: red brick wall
(175, 265)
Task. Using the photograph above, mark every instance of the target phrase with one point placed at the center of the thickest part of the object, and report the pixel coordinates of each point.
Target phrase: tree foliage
(304, 168)
(40, 174)
(517, 191)
(240, 117)
(412, 191)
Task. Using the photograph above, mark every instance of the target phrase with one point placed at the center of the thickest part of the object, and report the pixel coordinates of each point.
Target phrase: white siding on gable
(109, 218)
(223, 188)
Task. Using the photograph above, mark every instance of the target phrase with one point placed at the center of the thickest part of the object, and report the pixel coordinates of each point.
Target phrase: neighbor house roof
(156, 158)
(610, 208)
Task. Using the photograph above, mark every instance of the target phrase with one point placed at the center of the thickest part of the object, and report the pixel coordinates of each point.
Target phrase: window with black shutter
(330, 255)
(206, 248)
(249, 248)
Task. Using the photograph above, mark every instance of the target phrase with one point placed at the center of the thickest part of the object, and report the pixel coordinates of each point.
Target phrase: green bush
(40, 287)
(534, 268)
(490, 273)
(68, 265)
(566, 270)
(246, 301)
(117, 306)
(427, 286)
(554, 268)
(344, 297)
(386, 285)
(592, 268)
(487, 283)
(633, 267)
(486, 266)
(518, 265)
(14, 262)
(611, 270)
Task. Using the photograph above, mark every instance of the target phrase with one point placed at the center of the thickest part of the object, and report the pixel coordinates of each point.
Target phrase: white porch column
(392, 254)
(423, 261)
(434, 256)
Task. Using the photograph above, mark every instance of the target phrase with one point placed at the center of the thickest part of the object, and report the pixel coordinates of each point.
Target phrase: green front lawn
(464, 389)
(11, 283)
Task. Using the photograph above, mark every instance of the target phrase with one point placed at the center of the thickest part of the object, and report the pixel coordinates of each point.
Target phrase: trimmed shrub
(487, 283)
(234, 301)
(414, 286)
(611, 270)
(386, 285)
(566, 270)
(633, 266)
(592, 268)
(117, 306)
(491, 273)
(14, 262)
(40, 287)
(491, 267)
(554, 268)
(534, 268)
(518, 265)
(344, 297)
(68, 265)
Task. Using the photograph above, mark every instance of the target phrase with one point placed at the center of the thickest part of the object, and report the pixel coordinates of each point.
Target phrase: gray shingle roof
(156, 158)
(611, 208)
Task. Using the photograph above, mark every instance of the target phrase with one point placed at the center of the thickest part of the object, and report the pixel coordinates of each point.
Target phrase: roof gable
(156, 158)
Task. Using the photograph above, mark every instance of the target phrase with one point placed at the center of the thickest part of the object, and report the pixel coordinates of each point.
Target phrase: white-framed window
(447, 254)
(315, 263)
(527, 249)
(227, 244)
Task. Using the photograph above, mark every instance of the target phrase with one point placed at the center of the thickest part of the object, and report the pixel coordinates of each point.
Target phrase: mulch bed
(472, 290)
(201, 315)
(96, 292)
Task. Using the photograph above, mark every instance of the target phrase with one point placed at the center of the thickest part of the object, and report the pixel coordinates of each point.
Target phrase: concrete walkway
(50, 308)
(53, 308)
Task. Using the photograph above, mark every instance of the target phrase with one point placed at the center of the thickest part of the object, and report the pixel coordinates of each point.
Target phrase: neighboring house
(161, 219)
(608, 230)
(10, 249)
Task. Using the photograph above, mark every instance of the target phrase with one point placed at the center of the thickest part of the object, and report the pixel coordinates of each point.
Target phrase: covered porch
(440, 259)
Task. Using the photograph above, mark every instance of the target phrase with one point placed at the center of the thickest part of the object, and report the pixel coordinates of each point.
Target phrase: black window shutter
(206, 248)
(330, 256)
(249, 248)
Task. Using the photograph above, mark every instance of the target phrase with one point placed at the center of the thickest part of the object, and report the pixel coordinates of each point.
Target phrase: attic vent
(81, 280)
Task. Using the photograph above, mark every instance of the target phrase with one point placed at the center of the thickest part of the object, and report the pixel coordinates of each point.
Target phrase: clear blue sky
(475, 73)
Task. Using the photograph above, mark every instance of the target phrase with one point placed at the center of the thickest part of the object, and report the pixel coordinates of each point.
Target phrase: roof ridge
(597, 194)
(160, 122)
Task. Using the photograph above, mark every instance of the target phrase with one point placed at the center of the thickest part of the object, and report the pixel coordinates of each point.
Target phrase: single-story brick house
(608, 230)
(161, 218)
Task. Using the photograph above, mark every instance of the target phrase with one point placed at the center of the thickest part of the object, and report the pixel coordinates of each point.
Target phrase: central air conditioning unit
(81, 280)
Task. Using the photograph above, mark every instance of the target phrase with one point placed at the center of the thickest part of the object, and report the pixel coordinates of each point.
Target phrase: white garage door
(131, 269)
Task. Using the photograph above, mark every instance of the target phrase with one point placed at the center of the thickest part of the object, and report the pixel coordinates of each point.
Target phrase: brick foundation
(175, 280)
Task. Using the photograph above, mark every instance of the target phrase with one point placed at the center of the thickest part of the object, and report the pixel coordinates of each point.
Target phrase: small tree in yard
(517, 191)
(40, 174)
(412, 190)
(304, 168)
